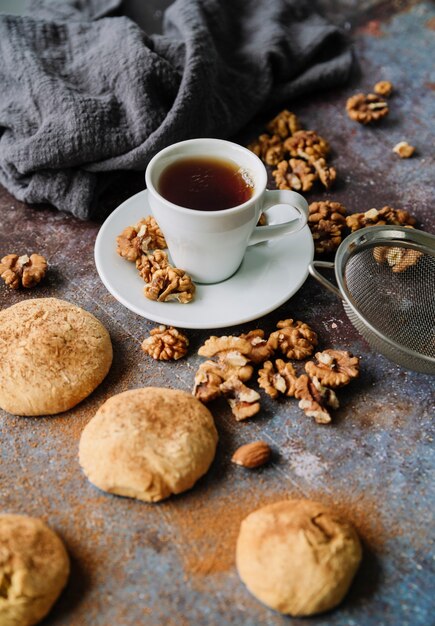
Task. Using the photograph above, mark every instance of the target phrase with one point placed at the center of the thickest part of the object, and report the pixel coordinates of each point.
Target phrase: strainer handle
(326, 265)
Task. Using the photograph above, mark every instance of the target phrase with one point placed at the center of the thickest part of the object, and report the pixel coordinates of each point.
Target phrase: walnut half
(296, 340)
(140, 238)
(244, 402)
(366, 108)
(165, 344)
(314, 398)
(278, 379)
(334, 368)
(23, 270)
(169, 284)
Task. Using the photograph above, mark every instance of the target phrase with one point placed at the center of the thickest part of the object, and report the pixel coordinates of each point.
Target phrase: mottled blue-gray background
(172, 564)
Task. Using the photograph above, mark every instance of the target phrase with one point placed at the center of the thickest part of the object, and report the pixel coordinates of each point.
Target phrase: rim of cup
(257, 171)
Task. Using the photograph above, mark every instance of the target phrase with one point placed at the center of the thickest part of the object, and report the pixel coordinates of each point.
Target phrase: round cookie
(148, 443)
(52, 355)
(34, 568)
(297, 556)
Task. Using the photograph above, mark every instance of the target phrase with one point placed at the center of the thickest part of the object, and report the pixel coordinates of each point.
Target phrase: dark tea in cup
(205, 183)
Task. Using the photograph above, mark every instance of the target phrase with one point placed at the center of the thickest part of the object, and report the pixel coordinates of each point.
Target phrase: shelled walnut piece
(261, 349)
(314, 398)
(404, 150)
(383, 88)
(243, 400)
(169, 284)
(165, 344)
(326, 173)
(140, 238)
(334, 368)
(294, 174)
(326, 221)
(295, 339)
(307, 144)
(148, 264)
(268, 148)
(23, 271)
(284, 124)
(297, 154)
(227, 376)
(366, 108)
(398, 259)
(211, 375)
(277, 379)
(375, 217)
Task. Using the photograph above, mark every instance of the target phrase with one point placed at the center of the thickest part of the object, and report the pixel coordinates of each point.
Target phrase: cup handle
(281, 196)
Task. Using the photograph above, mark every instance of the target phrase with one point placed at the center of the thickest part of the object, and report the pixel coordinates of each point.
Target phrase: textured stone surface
(173, 563)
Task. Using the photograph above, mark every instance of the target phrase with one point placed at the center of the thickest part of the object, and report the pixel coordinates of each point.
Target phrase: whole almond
(252, 454)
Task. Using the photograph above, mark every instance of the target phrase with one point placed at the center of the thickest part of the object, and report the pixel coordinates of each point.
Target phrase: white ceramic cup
(210, 245)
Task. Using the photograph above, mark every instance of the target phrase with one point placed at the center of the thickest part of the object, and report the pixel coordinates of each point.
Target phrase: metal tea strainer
(386, 279)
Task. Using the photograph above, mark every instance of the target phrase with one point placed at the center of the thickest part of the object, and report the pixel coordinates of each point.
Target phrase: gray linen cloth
(83, 95)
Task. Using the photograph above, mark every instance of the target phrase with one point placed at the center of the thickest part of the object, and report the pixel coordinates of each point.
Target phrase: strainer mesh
(393, 288)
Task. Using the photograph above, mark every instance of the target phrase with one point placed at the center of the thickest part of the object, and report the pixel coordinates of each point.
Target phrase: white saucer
(269, 275)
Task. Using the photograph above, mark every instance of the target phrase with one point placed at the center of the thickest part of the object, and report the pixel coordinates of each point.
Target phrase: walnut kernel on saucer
(140, 238)
(404, 150)
(170, 284)
(148, 264)
(366, 108)
(383, 88)
(22, 271)
(165, 344)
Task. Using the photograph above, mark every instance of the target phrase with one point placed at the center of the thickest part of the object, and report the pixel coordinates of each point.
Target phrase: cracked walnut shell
(148, 264)
(140, 238)
(284, 124)
(25, 271)
(170, 284)
(165, 344)
(296, 340)
(366, 108)
(375, 217)
(334, 368)
(314, 398)
(278, 379)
